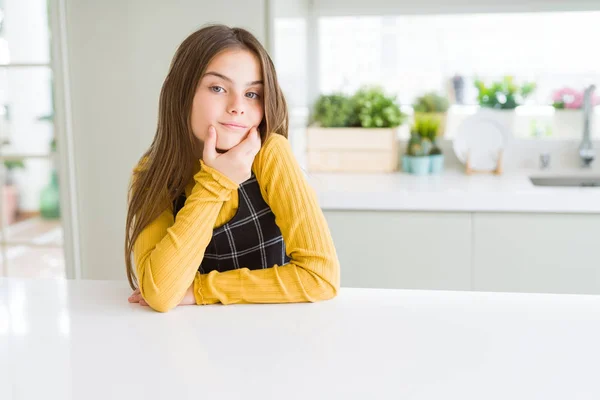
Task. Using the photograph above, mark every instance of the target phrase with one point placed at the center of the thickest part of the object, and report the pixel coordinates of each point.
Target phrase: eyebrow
(259, 82)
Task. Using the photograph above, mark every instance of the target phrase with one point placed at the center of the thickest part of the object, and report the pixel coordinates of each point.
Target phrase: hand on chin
(225, 142)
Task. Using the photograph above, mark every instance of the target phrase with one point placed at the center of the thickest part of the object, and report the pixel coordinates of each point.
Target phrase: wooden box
(352, 149)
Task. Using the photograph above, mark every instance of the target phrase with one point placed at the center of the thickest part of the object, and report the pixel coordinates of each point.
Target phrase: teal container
(50, 199)
(420, 165)
(437, 163)
(406, 163)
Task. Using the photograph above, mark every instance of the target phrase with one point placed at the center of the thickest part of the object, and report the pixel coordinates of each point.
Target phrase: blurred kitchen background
(420, 93)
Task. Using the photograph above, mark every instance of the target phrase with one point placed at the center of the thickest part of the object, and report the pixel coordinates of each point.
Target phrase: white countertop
(451, 191)
(83, 340)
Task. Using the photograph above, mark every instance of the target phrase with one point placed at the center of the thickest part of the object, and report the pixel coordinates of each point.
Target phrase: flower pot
(11, 203)
(437, 163)
(352, 149)
(567, 124)
(506, 118)
(420, 165)
(406, 163)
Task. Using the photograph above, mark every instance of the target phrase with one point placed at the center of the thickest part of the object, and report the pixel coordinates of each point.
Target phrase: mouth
(234, 126)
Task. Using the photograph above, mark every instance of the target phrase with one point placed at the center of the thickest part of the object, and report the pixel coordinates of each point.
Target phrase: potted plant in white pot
(567, 121)
(356, 133)
(423, 155)
(500, 98)
(432, 104)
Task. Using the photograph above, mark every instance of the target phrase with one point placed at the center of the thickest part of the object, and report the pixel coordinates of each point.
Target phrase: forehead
(239, 65)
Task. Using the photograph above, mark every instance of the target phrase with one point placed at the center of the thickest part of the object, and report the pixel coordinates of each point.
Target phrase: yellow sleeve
(313, 273)
(167, 253)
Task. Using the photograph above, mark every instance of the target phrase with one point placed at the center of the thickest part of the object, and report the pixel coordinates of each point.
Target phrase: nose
(236, 105)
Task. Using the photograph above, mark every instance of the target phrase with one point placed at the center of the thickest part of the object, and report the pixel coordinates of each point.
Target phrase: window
(31, 233)
(412, 54)
(416, 53)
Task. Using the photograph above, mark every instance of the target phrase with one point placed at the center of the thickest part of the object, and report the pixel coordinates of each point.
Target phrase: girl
(219, 209)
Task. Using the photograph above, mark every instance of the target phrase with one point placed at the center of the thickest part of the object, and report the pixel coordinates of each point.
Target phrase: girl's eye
(217, 89)
(253, 95)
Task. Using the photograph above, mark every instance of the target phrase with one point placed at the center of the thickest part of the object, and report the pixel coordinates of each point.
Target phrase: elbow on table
(330, 291)
(328, 287)
(159, 303)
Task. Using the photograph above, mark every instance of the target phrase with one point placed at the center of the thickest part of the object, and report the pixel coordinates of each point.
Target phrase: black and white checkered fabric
(251, 239)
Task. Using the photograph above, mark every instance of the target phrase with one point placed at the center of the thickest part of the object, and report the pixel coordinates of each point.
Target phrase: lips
(233, 125)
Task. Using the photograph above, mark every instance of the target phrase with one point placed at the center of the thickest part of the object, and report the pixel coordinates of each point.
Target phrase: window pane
(290, 59)
(26, 110)
(24, 32)
(412, 54)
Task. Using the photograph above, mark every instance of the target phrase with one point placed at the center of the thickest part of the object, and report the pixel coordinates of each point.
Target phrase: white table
(83, 340)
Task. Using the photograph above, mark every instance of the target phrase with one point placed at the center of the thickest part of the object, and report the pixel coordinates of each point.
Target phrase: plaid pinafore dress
(251, 239)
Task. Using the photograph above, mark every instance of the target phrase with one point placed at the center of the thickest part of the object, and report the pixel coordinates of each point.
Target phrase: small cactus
(426, 130)
(416, 150)
(426, 145)
(435, 150)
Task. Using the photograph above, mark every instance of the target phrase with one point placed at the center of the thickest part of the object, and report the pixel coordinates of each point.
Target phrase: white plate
(483, 137)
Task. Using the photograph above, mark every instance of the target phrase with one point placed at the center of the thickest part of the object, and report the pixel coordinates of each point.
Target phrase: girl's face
(229, 97)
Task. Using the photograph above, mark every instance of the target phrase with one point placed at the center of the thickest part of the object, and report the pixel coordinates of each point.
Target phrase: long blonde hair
(168, 165)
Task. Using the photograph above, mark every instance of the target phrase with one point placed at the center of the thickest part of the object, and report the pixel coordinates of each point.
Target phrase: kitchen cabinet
(403, 250)
(546, 253)
(495, 251)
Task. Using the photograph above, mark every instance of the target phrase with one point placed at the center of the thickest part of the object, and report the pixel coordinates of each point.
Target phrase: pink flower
(572, 99)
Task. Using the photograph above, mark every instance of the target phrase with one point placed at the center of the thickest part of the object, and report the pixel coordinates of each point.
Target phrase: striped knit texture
(167, 254)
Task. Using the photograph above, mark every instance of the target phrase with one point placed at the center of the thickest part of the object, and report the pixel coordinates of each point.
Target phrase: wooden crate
(352, 149)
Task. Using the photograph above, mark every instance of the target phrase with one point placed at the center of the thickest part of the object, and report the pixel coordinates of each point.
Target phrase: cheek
(203, 112)
(258, 114)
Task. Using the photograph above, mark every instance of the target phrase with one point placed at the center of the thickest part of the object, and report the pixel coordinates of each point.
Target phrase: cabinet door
(545, 253)
(403, 250)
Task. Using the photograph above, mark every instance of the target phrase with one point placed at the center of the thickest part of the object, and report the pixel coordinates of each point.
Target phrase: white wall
(118, 54)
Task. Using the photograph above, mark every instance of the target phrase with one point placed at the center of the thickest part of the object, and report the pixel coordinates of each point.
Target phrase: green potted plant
(416, 160)
(423, 153)
(432, 104)
(500, 98)
(375, 109)
(50, 196)
(436, 158)
(504, 94)
(354, 133)
(333, 111)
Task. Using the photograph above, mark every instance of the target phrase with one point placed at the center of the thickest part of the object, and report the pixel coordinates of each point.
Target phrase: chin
(228, 143)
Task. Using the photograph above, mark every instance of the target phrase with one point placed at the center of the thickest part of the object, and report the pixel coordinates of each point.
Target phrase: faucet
(586, 153)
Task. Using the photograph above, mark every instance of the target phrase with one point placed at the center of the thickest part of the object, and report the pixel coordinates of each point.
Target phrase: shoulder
(274, 141)
(273, 151)
(276, 166)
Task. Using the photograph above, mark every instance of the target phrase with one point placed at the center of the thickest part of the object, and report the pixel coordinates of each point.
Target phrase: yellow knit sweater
(167, 254)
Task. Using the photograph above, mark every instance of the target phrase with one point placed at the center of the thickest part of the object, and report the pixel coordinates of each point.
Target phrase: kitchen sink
(576, 181)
